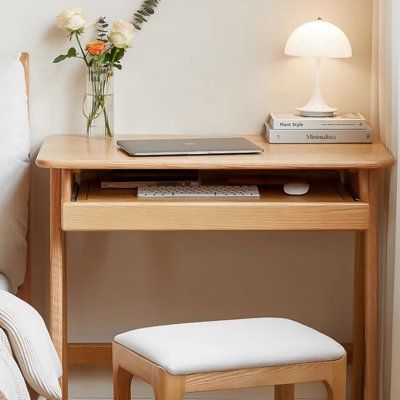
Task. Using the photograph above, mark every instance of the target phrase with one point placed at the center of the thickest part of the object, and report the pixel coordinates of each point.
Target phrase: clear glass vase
(98, 104)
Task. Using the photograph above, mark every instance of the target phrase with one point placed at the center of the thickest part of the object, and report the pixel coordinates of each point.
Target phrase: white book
(296, 121)
(318, 136)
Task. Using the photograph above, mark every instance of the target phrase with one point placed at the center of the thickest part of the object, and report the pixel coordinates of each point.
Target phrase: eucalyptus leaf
(145, 10)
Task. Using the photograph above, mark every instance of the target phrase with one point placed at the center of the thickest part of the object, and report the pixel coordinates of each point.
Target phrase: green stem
(108, 129)
(114, 54)
(80, 46)
(99, 99)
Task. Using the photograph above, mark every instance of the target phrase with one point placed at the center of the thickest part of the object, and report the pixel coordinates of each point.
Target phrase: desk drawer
(325, 207)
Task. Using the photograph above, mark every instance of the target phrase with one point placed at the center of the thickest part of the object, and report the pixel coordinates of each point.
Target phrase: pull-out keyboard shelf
(326, 207)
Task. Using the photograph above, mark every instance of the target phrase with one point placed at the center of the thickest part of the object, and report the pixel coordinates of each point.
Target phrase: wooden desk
(68, 157)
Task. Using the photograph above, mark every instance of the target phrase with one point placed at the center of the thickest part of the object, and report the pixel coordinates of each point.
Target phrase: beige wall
(209, 66)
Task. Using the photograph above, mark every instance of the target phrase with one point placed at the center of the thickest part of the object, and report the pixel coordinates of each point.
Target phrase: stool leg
(169, 387)
(336, 384)
(284, 392)
(122, 379)
(122, 383)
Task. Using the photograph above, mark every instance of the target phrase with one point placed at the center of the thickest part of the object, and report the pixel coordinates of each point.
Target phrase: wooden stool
(218, 355)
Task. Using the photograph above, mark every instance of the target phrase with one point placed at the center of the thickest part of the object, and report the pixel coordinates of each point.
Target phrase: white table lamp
(318, 39)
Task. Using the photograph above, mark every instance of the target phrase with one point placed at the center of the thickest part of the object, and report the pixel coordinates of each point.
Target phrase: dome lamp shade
(318, 39)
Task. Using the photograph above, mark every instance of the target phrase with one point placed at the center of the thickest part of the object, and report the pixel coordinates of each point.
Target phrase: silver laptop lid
(176, 147)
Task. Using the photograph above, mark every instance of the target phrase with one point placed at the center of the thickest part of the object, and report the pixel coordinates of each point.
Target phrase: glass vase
(98, 104)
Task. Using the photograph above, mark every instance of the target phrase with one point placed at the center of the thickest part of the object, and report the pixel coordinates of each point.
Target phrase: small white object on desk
(296, 188)
(198, 192)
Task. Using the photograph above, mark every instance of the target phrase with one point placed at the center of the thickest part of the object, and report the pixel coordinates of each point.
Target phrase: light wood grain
(326, 207)
(372, 294)
(264, 376)
(58, 275)
(213, 216)
(89, 354)
(100, 353)
(284, 392)
(360, 183)
(79, 152)
(173, 387)
(122, 378)
(112, 213)
(335, 384)
(325, 191)
(358, 319)
(168, 387)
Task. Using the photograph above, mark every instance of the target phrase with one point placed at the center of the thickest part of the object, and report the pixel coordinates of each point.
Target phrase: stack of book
(293, 128)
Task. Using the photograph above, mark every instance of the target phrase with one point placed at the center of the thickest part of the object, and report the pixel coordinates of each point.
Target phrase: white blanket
(12, 384)
(31, 344)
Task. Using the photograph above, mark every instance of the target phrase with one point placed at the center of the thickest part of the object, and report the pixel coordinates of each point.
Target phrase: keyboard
(198, 192)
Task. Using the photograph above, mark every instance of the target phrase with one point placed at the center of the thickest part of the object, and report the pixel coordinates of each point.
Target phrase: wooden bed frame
(24, 291)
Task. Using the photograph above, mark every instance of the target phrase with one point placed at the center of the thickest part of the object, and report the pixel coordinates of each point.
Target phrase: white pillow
(31, 344)
(14, 167)
(12, 384)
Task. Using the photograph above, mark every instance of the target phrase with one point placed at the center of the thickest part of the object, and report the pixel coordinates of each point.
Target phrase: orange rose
(96, 47)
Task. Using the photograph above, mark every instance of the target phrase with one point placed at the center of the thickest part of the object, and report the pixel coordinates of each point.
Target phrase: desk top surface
(78, 152)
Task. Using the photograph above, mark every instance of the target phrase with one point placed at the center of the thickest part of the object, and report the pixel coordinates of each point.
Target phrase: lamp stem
(317, 93)
(316, 106)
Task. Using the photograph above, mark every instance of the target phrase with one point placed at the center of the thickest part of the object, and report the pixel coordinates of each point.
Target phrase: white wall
(209, 66)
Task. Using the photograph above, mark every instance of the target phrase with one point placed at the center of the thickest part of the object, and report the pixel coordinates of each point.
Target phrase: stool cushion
(225, 345)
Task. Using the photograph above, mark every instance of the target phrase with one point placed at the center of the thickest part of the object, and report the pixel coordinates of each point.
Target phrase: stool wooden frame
(127, 364)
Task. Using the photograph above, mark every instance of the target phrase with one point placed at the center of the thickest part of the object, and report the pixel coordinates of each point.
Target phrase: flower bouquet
(101, 56)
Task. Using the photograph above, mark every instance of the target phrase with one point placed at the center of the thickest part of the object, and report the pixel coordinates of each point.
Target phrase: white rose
(122, 34)
(71, 20)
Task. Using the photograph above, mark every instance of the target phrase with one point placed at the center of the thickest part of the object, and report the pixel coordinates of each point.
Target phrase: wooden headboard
(24, 291)
(25, 62)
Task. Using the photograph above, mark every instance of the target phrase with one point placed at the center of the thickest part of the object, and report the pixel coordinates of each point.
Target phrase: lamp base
(314, 113)
(316, 107)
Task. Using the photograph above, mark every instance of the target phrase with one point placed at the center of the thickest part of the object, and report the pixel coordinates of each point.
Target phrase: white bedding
(14, 169)
(31, 345)
(12, 384)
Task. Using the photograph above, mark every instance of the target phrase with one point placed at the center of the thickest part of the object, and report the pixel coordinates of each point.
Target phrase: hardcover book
(296, 121)
(318, 135)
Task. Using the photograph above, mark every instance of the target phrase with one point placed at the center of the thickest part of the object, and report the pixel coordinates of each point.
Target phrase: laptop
(184, 147)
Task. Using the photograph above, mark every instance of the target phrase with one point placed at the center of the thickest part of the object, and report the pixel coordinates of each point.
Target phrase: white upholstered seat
(232, 344)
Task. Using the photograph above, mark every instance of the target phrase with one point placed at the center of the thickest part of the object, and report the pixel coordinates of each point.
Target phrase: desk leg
(358, 320)
(58, 276)
(372, 293)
